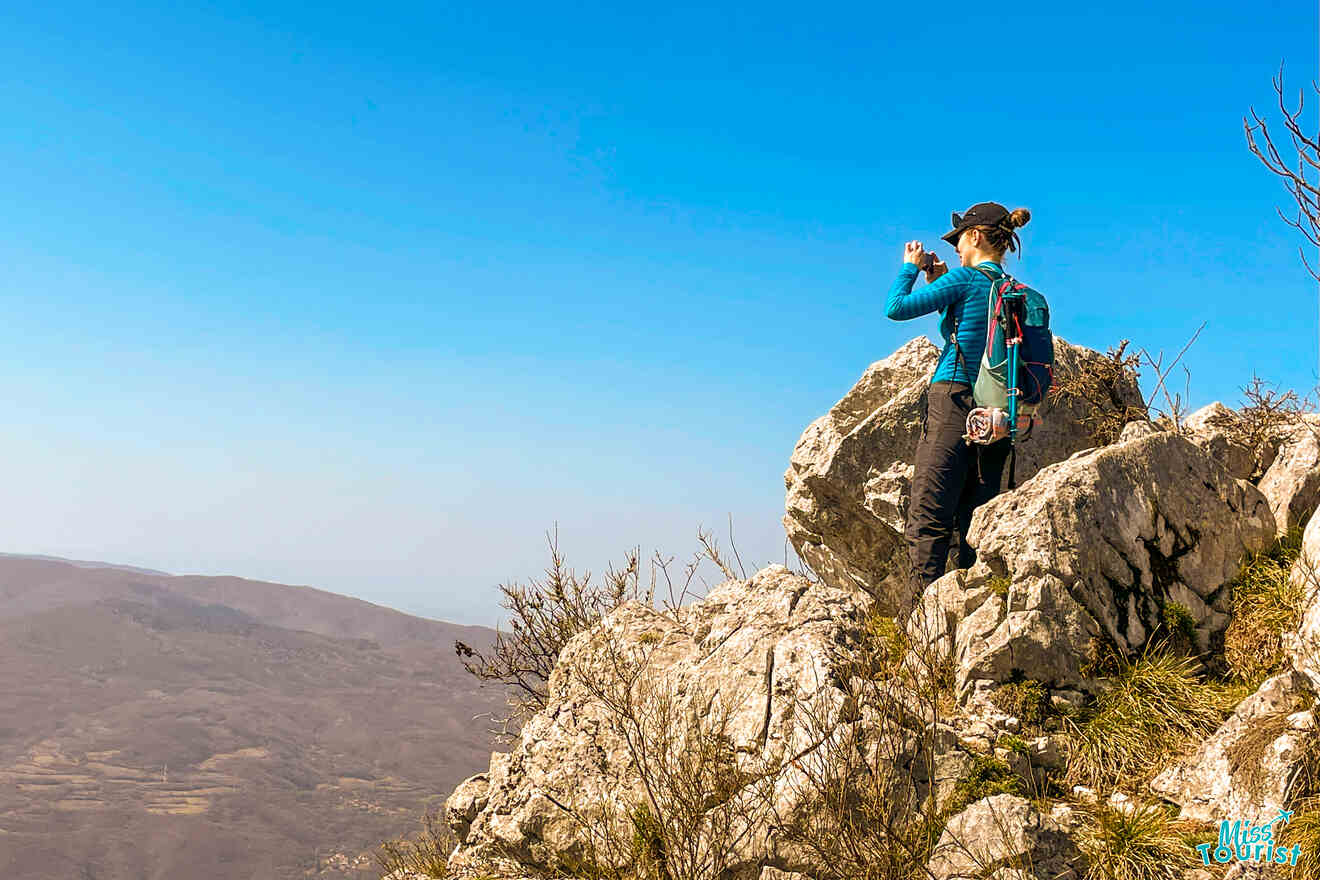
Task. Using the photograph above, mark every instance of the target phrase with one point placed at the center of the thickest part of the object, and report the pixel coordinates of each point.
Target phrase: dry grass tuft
(1152, 706)
(1304, 829)
(1143, 844)
(1265, 605)
(1246, 756)
(987, 777)
(1024, 698)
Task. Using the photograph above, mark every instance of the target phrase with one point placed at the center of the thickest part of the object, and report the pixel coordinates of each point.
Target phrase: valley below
(157, 727)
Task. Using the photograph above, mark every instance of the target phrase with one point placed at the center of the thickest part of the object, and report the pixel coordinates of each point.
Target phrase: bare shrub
(1265, 413)
(543, 616)
(1266, 417)
(700, 799)
(1099, 387)
(861, 815)
(425, 855)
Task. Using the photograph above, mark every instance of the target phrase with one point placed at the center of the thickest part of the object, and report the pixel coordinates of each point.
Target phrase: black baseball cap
(980, 214)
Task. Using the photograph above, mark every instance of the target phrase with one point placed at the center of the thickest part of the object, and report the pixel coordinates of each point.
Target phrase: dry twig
(1176, 411)
(1297, 173)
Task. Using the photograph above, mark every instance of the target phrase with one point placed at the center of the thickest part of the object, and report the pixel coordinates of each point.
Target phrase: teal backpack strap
(1002, 276)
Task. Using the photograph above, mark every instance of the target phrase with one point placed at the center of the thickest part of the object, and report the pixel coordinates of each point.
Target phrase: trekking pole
(1012, 337)
(1012, 389)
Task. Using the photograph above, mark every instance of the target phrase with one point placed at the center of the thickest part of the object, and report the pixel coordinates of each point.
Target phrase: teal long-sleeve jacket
(961, 296)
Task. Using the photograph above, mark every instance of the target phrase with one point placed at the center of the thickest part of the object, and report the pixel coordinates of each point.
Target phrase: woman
(952, 476)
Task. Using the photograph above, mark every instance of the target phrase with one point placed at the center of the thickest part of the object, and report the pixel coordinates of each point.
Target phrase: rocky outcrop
(851, 470)
(1004, 836)
(1089, 553)
(736, 667)
(1292, 483)
(1249, 767)
(766, 666)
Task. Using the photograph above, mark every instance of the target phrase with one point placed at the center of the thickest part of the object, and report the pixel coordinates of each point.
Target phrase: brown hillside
(163, 727)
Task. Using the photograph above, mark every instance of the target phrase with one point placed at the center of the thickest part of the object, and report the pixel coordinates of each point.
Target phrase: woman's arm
(904, 304)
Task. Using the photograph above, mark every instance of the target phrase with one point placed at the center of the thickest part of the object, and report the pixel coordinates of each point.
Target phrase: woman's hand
(914, 252)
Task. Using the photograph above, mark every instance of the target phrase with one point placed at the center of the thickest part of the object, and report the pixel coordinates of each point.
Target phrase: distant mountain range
(158, 727)
(81, 563)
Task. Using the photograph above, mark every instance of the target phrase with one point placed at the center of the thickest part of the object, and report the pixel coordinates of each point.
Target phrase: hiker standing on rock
(953, 477)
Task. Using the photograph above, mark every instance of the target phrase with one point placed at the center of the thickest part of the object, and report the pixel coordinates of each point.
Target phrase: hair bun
(1019, 218)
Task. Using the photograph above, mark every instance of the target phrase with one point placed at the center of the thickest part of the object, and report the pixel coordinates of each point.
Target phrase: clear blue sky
(369, 296)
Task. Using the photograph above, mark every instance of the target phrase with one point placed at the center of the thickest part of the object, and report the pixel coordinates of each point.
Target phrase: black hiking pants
(952, 479)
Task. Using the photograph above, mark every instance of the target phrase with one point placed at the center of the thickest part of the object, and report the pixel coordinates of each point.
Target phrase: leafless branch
(734, 547)
(1297, 175)
(1176, 403)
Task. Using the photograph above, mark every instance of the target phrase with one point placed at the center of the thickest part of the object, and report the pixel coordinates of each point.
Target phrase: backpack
(1014, 305)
